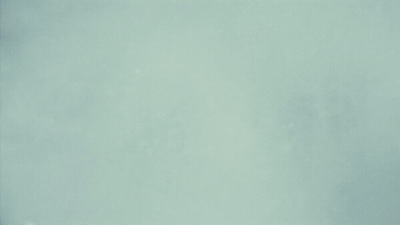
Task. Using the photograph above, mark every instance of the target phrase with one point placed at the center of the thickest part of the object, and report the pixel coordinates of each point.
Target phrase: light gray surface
(157, 113)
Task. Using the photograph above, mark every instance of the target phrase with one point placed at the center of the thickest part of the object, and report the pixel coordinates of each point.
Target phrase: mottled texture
(200, 112)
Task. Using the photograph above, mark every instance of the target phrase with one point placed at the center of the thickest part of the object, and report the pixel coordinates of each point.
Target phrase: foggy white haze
(200, 112)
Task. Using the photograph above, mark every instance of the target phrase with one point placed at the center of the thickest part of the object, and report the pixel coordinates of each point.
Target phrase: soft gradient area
(200, 112)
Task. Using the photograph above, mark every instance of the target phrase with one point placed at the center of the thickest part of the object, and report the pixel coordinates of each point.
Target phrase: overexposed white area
(200, 112)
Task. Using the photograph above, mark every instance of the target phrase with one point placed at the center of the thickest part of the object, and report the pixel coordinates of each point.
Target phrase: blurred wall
(192, 112)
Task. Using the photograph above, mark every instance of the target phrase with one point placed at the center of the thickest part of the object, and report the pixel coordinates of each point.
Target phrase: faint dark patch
(300, 118)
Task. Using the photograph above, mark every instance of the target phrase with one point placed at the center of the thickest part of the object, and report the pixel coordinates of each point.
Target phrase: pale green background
(200, 112)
